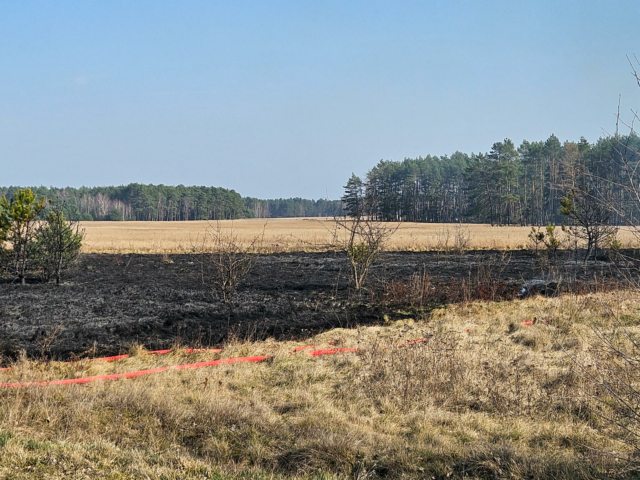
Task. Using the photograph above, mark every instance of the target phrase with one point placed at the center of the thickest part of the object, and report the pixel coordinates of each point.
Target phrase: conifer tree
(18, 222)
(353, 198)
(58, 243)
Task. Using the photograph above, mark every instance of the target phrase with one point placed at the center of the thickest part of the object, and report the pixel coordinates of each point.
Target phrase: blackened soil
(113, 301)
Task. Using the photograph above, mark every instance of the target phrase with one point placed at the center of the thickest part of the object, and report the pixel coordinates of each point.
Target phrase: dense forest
(508, 185)
(505, 186)
(170, 203)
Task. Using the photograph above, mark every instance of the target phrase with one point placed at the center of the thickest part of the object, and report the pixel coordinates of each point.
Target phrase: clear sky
(281, 99)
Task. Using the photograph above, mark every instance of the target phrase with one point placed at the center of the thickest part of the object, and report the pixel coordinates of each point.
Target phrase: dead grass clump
(421, 290)
(502, 460)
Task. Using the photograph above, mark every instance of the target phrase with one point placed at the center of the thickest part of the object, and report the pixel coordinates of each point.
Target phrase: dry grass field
(484, 397)
(543, 387)
(295, 234)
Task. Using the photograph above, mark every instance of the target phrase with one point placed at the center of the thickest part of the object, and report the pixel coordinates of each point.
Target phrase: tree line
(172, 203)
(508, 185)
(292, 207)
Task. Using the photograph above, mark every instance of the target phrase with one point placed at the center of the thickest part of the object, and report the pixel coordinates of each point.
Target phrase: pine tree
(353, 198)
(58, 243)
(18, 222)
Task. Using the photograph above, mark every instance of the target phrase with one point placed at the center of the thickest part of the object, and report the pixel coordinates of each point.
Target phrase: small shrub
(364, 241)
(461, 238)
(613, 247)
(536, 239)
(547, 239)
(551, 242)
(224, 261)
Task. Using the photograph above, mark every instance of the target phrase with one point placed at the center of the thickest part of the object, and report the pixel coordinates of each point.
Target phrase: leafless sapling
(590, 217)
(225, 260)
(358, 233)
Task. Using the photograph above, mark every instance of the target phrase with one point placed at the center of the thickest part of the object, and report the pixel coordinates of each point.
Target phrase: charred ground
(113, 301)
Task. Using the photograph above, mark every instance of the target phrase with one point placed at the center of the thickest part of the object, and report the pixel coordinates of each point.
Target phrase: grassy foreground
(484, 397)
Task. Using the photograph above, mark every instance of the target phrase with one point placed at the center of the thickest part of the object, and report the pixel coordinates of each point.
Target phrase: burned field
(111, 302)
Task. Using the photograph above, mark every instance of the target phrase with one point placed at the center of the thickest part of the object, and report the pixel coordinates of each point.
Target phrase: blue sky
(280, 99)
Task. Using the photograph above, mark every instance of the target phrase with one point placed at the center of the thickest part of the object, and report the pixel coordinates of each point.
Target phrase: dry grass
(499, 401)
(294, 234)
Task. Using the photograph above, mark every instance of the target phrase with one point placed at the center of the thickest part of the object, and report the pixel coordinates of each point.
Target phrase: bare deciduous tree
(626, 161)
(363, 238)
(611, 362)
(225, 260)
(590, 219)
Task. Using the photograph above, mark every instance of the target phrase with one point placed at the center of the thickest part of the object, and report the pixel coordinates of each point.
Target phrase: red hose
(156, 352)
(544, 320)
(332, 351)
(140, 373)
(126, 355)
(306, 347)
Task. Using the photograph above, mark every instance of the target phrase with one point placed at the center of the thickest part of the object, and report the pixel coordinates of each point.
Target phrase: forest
(508, 185)
(173, 203)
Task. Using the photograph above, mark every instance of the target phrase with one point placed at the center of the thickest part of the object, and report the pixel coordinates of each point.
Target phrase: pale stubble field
(297, 234)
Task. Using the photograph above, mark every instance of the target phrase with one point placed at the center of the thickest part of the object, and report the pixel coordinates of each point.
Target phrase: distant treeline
(173, 203)
(507, 185)
(292, 207)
